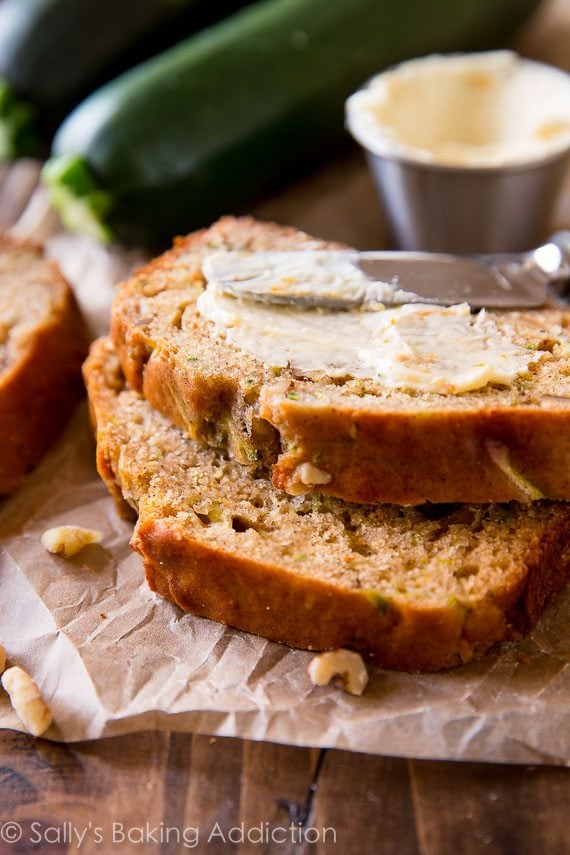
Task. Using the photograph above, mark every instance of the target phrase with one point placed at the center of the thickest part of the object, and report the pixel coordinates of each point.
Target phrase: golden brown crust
(101, 382)
(39, 389)
(437, 456)
(301, 612)
(408, 453)
(309, 614)
(302, 608)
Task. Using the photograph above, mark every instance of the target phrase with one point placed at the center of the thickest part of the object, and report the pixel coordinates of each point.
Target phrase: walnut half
(68, 540)
(345, 664)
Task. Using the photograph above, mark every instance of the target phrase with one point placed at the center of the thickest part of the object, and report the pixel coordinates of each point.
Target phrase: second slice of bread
(413, 589)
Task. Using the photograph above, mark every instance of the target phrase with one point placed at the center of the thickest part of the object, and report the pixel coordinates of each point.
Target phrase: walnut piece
(68, 540)
(34, 714)
(346, 664)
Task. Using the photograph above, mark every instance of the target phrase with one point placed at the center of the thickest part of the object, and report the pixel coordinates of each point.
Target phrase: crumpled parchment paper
(110, 657)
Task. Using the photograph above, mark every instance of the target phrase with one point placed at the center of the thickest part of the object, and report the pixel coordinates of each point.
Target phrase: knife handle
(561, 277)
(562, 241)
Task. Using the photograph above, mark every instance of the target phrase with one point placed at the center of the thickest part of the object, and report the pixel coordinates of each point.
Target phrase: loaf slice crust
(42, 345)
(410, 588)
(374, 444)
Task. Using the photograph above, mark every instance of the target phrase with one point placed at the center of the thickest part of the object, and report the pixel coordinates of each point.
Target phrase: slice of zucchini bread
(357, 439)
(410, 588)
(42, 345)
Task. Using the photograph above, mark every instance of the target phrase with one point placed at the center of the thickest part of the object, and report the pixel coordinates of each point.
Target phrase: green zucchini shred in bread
(377, 444)
(410, 588)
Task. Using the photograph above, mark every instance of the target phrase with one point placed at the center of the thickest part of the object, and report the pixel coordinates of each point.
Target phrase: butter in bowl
(468, 151)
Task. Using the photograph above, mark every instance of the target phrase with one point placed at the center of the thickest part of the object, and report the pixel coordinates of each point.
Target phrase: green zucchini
(54, 52)
(236, 109)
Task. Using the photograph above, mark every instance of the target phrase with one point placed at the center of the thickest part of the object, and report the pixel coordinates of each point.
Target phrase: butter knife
(513, 281)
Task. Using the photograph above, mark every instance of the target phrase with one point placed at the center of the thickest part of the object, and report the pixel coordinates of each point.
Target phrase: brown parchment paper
(110, 657)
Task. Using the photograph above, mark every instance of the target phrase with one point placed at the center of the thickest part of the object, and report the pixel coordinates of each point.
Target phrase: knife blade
(337, 280)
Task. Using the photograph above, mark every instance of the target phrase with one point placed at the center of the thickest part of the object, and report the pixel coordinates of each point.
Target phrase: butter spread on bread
(415, 346)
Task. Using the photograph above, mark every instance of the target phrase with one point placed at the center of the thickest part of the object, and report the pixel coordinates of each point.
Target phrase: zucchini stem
(74, 193)
(18, 132)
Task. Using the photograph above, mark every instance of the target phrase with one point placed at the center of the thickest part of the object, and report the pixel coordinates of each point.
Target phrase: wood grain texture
(177, 792)
(472, 808)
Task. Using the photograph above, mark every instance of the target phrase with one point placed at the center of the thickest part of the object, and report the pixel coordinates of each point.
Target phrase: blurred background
(156, 116)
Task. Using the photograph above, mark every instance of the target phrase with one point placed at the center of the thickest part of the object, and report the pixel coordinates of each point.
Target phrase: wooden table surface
(167, 793)
(207, 788)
